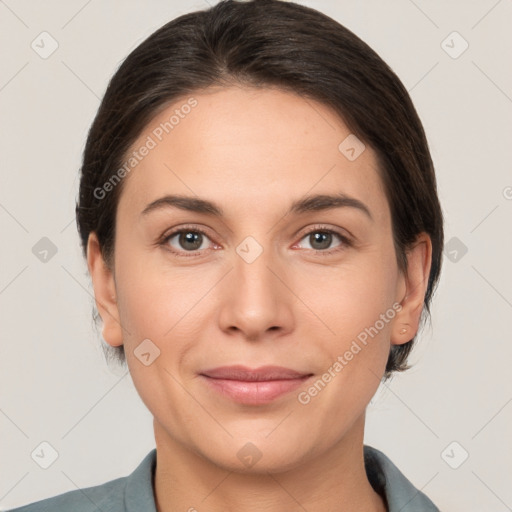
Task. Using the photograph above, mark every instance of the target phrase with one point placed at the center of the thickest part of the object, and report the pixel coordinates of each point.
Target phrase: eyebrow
(313, 203)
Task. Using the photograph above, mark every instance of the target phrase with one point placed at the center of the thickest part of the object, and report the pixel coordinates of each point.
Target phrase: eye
(189, 241)
(186, 240)
(320, 240)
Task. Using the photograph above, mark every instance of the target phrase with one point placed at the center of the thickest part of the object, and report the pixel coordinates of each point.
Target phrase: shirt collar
(138, 493)
(384, 476)
(391, 483)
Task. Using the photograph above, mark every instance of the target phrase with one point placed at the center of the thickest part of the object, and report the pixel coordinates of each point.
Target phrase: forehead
(251, 147)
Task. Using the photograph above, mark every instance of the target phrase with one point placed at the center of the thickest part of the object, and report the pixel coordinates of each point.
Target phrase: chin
(257, 456)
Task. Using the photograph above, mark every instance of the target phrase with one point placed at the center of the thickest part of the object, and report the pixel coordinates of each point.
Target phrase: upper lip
(244, 373)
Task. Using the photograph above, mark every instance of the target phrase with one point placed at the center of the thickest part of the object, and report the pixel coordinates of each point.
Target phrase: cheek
(357, 306)
(159, 306)
(149, 298)
(352, 297)
(359, 311)
(164, 304)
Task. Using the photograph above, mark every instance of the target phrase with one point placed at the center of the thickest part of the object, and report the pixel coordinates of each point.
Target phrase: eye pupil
(323, 238)
(190, 237)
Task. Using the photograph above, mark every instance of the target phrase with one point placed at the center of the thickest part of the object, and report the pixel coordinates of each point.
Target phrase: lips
(259, 374)
(253, 386)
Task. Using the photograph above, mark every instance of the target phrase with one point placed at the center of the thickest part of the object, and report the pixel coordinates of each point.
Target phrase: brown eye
(321, 241)
(186, 240)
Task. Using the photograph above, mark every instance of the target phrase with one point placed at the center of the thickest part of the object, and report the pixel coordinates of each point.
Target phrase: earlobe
(407, 321)
(104, 292)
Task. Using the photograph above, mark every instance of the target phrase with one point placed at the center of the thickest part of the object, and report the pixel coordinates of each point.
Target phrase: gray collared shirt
(134, 493)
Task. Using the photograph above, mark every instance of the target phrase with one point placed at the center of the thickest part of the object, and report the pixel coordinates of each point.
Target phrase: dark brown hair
(267, 43)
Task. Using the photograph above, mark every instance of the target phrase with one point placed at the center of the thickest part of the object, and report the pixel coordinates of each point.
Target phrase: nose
(256, 302)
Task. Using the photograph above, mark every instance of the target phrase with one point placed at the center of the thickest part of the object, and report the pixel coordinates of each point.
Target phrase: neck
(337, 480)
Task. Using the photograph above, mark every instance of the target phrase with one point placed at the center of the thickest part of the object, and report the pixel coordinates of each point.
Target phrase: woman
(259, 214)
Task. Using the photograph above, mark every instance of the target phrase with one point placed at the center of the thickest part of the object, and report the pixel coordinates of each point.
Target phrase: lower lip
(254, 392)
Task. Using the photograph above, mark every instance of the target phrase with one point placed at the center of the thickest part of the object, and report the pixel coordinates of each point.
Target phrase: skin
(253, 152)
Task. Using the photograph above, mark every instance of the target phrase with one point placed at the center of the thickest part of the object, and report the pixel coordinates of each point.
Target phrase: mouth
(253, 386)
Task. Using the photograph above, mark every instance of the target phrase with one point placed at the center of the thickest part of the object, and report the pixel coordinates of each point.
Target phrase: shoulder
(126, 494)
(387, 479)
(107, 497)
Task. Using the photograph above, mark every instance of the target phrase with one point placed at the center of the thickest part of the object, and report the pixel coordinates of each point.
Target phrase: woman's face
(311, 289)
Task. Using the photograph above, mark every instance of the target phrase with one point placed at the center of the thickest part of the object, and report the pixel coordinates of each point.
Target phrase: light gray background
(55, 384)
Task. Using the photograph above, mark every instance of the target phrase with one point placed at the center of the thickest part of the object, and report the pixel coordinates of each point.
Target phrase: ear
(411, 290)
(104, 292)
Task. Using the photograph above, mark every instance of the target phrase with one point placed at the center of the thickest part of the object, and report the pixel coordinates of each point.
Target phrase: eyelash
(346, 242)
